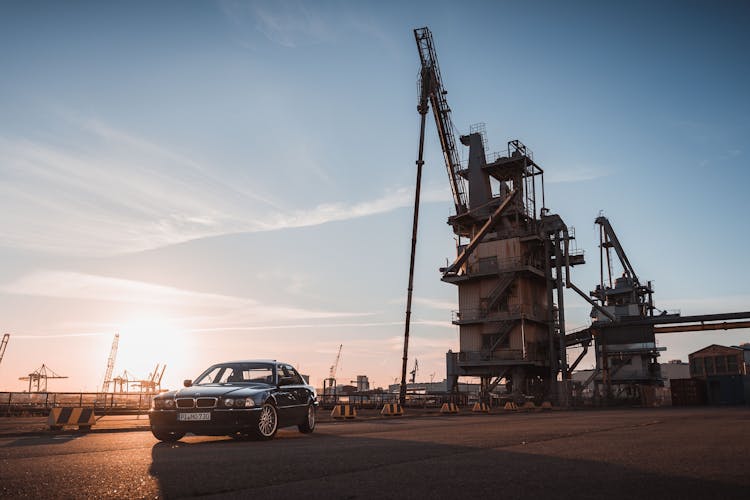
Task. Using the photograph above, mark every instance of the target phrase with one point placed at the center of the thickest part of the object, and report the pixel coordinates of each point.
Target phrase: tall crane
(431, 86)
(40, 377)
(110, 363)
(624, 290)
(3, 345)
(431, 92)
(329, 384)
(335, 365)
(413, 373)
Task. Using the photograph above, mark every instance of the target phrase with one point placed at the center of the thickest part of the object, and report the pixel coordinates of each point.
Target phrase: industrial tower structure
(513, 256)
(512, 267)
(624, 328)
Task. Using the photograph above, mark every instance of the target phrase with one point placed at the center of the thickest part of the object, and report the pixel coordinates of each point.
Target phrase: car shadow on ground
(322, 465)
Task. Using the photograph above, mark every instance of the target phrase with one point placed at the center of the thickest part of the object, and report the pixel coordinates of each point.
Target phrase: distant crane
(123, 382)
(39, 378)
(413, 373)
(335, 366)
(153, 382)
(329, 384)
(3, 345)
(110, 363)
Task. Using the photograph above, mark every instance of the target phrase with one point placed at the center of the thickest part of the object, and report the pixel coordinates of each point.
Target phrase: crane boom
(335, 365)
(3, 345)
(610, 239)
(434, 87)
(111, 363)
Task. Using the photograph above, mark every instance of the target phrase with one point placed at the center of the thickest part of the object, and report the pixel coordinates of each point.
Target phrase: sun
(146, 341)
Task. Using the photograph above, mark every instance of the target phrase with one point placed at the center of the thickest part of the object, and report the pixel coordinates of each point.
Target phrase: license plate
(190, 417)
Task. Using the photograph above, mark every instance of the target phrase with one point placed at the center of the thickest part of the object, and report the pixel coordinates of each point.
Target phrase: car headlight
(229, 402)
(249, 403)
(162, 404)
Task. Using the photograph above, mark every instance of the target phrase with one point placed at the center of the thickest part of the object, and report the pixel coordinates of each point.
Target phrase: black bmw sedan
(241, 399)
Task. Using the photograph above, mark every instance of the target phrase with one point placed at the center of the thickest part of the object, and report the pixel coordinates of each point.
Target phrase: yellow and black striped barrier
(449, 408)
(82, 417)
(392, 410)
(480, 408)
(528, 406)
(510, 406)
(344, 411)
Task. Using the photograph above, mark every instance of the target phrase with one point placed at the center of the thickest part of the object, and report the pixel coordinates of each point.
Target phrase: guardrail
(377, 400)
(39, 403)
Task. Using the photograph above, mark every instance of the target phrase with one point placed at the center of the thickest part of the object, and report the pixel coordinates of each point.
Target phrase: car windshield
(237, 373)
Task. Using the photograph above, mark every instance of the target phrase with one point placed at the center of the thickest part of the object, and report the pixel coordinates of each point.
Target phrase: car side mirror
(286, 380)
(187, 383)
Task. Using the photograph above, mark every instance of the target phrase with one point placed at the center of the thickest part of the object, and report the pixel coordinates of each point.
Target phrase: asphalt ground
(646, 453)
(23, 426)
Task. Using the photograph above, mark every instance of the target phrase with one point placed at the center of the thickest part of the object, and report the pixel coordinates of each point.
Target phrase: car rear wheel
(268, 422)
(166, 435)
(308, 425)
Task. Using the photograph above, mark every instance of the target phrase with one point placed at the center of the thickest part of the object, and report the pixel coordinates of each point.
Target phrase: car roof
(273, 361)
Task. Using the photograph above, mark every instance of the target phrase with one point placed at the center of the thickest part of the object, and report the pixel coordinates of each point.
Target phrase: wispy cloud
(289, 23)
(428, 303)
(217, 308)
(296, 23)
(576, 174)
(121, 193)
(329, 212)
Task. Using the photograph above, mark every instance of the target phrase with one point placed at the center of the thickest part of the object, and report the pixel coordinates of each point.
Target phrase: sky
(228, 180)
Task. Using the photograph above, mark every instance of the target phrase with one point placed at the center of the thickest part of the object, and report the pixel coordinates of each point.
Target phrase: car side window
(292, 373)
(228, 375)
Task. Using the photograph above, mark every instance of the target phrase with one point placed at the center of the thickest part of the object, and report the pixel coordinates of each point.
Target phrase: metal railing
(515, 311)
(39, 403)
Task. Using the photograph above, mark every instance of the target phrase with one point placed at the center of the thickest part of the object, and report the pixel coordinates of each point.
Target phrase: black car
(241, 399)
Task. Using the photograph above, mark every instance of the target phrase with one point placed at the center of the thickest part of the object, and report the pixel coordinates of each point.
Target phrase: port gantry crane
(39, 378)
(431, 93)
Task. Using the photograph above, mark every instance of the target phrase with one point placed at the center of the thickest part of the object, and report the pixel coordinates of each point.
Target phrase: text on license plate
(185, 417)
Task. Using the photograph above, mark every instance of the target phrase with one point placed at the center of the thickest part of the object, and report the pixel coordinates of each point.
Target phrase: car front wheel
(167, 436)
(308, 425)
(268, 422)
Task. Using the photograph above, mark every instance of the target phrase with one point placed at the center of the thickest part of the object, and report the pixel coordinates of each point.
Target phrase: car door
(294, 394)
(285, 398)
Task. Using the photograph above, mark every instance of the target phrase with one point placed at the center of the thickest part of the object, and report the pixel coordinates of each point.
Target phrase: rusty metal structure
(513, 255)
(513, 264)
(624, 328)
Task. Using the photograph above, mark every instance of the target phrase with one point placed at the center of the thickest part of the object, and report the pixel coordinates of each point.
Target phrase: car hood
(217, 390)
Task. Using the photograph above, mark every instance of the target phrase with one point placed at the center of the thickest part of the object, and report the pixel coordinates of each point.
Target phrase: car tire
(167, 436)
(268, 422)
(308, 425)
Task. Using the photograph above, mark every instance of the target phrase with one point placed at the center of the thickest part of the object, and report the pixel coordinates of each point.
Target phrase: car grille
(205, 402)
(196, 403)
